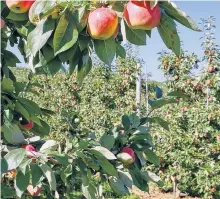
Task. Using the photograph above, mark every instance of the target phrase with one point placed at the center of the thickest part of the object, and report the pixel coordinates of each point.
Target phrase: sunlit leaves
(173, 11)
(168, 32)
(38, 37)
(66, 34)
(105, 50)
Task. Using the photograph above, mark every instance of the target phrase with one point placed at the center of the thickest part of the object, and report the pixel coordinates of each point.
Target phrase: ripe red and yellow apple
(19, 6)
(140, 15)
(131, 156)
(102, 23)
(33, 191)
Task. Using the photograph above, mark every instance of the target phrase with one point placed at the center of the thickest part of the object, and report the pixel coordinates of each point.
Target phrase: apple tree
(48, 35)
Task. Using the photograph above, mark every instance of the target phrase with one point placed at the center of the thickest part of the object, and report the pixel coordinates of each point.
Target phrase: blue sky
(196, 10)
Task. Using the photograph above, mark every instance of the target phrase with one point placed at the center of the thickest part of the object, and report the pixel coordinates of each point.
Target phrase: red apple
(2, 24)
(116, 32)
(19, 6)
(33, 191)
(102, 23)
(130, 152)
(30, 148)
(211, 69)
(140, 15)
(28, 126)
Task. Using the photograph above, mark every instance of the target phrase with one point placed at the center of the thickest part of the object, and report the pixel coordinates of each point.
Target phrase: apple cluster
(103, 22)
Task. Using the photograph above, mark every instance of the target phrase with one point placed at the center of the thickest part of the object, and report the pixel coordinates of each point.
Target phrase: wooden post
(138, 89)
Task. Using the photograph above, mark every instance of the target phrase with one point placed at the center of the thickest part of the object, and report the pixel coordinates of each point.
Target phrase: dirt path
(156, 194)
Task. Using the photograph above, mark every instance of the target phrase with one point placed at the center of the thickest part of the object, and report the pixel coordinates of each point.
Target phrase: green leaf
(12, 133)
(11, 59)
(52, 67)
(118, 186)
(14, 158)
(120, 51)
(74, 59)
(30, 106)
(137, 37)
(138, 180)
(157, 120)
(81, 17)
(42, 130)
(24, 165)
(161, 102)
(90, 192)
(158, 92)
(23, 31)
(151, 177)
(151, 157)
(48, 145)
(48, 172)
(177, 94)
(135, 120)
(125, 178)
(41, 9)
(21, 182)
(107, 167)
(38, 37)
(22, 110)
(83, 170)
(168, 33)
(18, 16)
(47, 52)
(4, 166)
(7, 85)
(126, 122)
(84, 67)
(148, 33)
(66, 172)
(107, 141)
(61, 158)
(37, 174)
(140, 137)
(68, 54)
(105, 152)
(47, 112)
(105, 50)
(84, 41)
(66, 34)
(19, 87)
(174, 12)
(7, 192)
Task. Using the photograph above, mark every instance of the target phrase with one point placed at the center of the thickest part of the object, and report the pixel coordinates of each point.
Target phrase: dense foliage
(190, 151)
